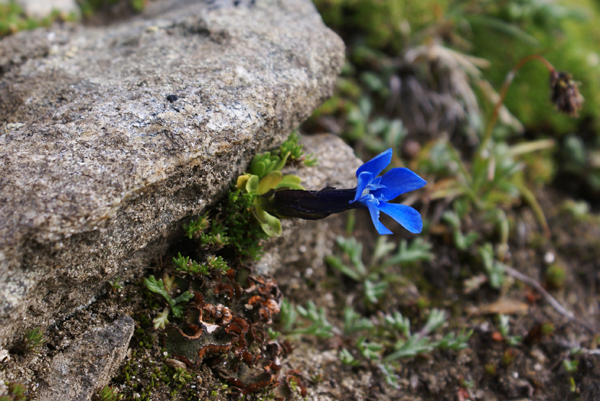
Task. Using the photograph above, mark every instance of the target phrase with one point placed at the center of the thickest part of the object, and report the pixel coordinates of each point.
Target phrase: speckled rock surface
(88, 364)
(98, 167)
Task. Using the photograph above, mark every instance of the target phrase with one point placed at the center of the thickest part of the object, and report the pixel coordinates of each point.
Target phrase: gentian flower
(374, 192)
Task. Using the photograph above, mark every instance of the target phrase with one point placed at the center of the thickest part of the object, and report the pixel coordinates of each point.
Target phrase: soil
(490, 369)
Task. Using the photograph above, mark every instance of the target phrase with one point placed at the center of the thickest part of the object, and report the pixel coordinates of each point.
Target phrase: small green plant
(353, 249)
(570, 366)
(163, 288)
(390, 339)
(273, 335)
(580, 210)
(419, 250)
(216, 263)
(91, 7)
(319, 327)
(294, 149)
(556, 276)
(374, 287)
(413, 344)
(347, 359)
(182, 376)
(115, 285)
(13, 19)
(375, 131)
(508, 356)
(233, 224)
(547, 329)
(374, 291)
(161, 320)
(354, 322)
(216, 236)
(263, 164)
(108, 393)
(183, 263)
(34, 340)
(195, 226)
(288, 316)
(213, 264)
(368, 349)
(374, 279)
(504, 329)
(16, 392)
(467, 383)
(265, 175)
(462, 241)
(491, 369)
(493, 268)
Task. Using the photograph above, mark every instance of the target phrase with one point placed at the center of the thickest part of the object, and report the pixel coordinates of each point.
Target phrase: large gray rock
(98, 167)
(88, 364)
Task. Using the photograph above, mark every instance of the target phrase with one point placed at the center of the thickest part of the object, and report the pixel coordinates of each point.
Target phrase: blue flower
(374, 192)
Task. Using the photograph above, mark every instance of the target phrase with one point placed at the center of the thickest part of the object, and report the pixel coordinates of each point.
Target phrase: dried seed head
(565, 94)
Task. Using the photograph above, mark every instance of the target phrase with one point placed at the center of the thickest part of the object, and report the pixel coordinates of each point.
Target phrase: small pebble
(174, 363)
(549, 257)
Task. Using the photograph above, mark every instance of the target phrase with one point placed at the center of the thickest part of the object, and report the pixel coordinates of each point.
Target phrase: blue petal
(396, 182)
(376, 184)
(376, 164)
(374, 211)
(406, 216)
(364, 179)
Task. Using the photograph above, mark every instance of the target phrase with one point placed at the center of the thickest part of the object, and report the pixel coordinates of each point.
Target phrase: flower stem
(538, 212)
(479, 160)
(507, 81)
(308, 205)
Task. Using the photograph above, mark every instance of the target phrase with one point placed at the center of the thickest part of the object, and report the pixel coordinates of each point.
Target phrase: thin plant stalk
(536, 208)
(550, 299)
(487, 136)
(480, 155)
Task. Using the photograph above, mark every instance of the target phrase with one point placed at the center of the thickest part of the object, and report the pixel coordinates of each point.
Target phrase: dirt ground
(490, 369)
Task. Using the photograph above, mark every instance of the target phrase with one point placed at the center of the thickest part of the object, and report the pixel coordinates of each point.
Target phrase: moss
(108, 393)
(16, 392)
(143, 376)
(556, 276)
(13, 19)
(384, 23)
(34, 340)
(89, 8)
